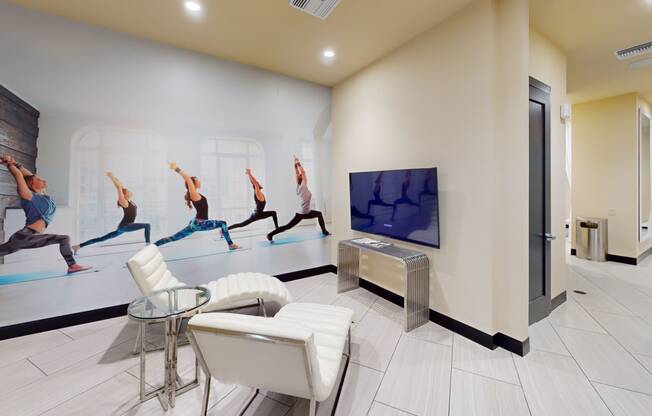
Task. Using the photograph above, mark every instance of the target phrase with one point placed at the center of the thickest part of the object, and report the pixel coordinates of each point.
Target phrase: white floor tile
(389, 310)
(418, 378)
(605, 361)
(113, 397)
(16, 349)
(619, 289)
(625, 403)
(641, 309)
(379, 409)
(373, 340)
(646, 360)
(359, 301)
(490, 397)
(544, 338)
(432, 332)
(554, 385)
(323, 293)
(51, 391)
(571, 315)
(261, 406)
(18, 374)
(65, 355)
(80, 331)
(632, 332)
(301, 287)
(474, 358)
(360, 387)
(594, 297)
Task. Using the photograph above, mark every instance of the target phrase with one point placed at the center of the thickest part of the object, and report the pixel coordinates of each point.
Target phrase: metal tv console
(416, 290)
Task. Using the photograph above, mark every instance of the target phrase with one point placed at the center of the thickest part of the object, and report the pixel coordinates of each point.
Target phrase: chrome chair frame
(270, 339)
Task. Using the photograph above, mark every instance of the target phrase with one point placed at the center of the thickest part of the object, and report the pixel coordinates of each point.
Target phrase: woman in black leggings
(305, 196)
(260, 201)
(127, 224)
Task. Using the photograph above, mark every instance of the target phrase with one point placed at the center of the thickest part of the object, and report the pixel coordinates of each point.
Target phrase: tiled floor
(592, 356)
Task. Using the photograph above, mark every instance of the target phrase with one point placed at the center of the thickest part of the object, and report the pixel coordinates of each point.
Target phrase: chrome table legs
(172, 384)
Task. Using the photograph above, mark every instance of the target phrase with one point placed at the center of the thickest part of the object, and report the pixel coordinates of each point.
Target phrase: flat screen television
(401, 204)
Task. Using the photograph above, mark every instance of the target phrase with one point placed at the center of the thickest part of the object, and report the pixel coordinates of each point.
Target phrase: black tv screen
(401, 204)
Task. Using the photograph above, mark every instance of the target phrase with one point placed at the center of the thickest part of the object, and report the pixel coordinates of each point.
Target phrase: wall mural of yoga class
(140, 142)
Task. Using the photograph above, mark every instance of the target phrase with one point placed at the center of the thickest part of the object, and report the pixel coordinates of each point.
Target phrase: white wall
(80, 76)
(454, 97)
(548, 65)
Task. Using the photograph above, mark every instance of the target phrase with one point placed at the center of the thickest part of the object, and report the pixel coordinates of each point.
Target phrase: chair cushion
(330, 327)
(237, 289)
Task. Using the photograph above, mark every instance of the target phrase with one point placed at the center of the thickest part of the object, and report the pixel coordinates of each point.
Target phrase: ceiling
(590, 31)
(267, 34)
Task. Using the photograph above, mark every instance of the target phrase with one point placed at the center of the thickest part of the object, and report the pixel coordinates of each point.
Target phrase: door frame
(542, 306)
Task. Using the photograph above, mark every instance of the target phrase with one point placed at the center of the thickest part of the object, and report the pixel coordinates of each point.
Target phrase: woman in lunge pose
(260, 201)
(200, 222)
(39, 210)
(304, 211)
(129, 216)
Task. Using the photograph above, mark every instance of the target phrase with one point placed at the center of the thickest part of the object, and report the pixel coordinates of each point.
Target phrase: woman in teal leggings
(200, 222)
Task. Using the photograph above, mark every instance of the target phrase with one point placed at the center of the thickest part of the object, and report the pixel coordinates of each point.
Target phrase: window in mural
(223, 164)
(98, 150)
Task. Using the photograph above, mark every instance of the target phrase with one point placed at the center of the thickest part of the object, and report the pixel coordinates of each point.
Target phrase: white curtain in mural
(138, 159)
(223, 164)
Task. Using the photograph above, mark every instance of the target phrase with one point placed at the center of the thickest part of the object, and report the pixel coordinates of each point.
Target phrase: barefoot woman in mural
(304, 211)
(200, 222)
(39, 209)
(129, 216)
(260, 201)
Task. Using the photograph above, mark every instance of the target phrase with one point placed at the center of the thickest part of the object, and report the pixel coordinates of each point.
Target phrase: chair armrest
(241, 325)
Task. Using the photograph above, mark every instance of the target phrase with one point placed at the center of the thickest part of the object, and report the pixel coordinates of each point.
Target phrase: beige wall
(548, 65)
(605, 168)
(454, 98)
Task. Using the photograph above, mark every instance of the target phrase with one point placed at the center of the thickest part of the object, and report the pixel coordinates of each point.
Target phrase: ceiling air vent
(318, 8)
(634, 51)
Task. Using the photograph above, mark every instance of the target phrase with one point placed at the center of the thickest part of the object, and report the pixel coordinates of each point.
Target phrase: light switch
(612, 212)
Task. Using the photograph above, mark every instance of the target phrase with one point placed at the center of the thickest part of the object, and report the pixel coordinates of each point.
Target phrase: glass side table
(169, 306)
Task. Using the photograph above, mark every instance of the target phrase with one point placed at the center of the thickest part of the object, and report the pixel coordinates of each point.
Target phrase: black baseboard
(557, 300)
(619, 259)
(49, 324)
(622, 259)
(490, 341)
(301, 274)
(57, 322)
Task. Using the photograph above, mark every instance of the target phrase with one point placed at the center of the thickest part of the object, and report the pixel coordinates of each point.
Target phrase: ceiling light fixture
(193, 6)
(329, 53)
(634, 51)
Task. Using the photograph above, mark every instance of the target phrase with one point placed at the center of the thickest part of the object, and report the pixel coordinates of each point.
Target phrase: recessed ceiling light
(193, 6)
(328, 53)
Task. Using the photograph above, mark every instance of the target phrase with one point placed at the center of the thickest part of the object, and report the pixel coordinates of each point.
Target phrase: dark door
(539, 231)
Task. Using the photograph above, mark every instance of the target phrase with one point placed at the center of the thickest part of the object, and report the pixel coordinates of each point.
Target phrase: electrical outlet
(612, 212)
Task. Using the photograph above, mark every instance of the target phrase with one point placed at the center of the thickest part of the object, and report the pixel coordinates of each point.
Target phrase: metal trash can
(591, 238)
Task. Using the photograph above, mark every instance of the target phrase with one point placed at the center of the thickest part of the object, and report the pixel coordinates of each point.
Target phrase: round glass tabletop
(165, 303)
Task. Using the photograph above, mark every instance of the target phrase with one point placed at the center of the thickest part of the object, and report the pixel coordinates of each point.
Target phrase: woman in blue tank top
(39, 210)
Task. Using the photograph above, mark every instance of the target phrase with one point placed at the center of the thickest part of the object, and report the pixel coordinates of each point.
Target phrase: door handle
(549, 237)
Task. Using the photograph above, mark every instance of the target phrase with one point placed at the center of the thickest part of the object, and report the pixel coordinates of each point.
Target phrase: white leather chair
(150, 272)
(298, 352)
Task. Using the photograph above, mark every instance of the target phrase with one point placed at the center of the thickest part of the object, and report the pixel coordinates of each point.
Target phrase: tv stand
(414, 276)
